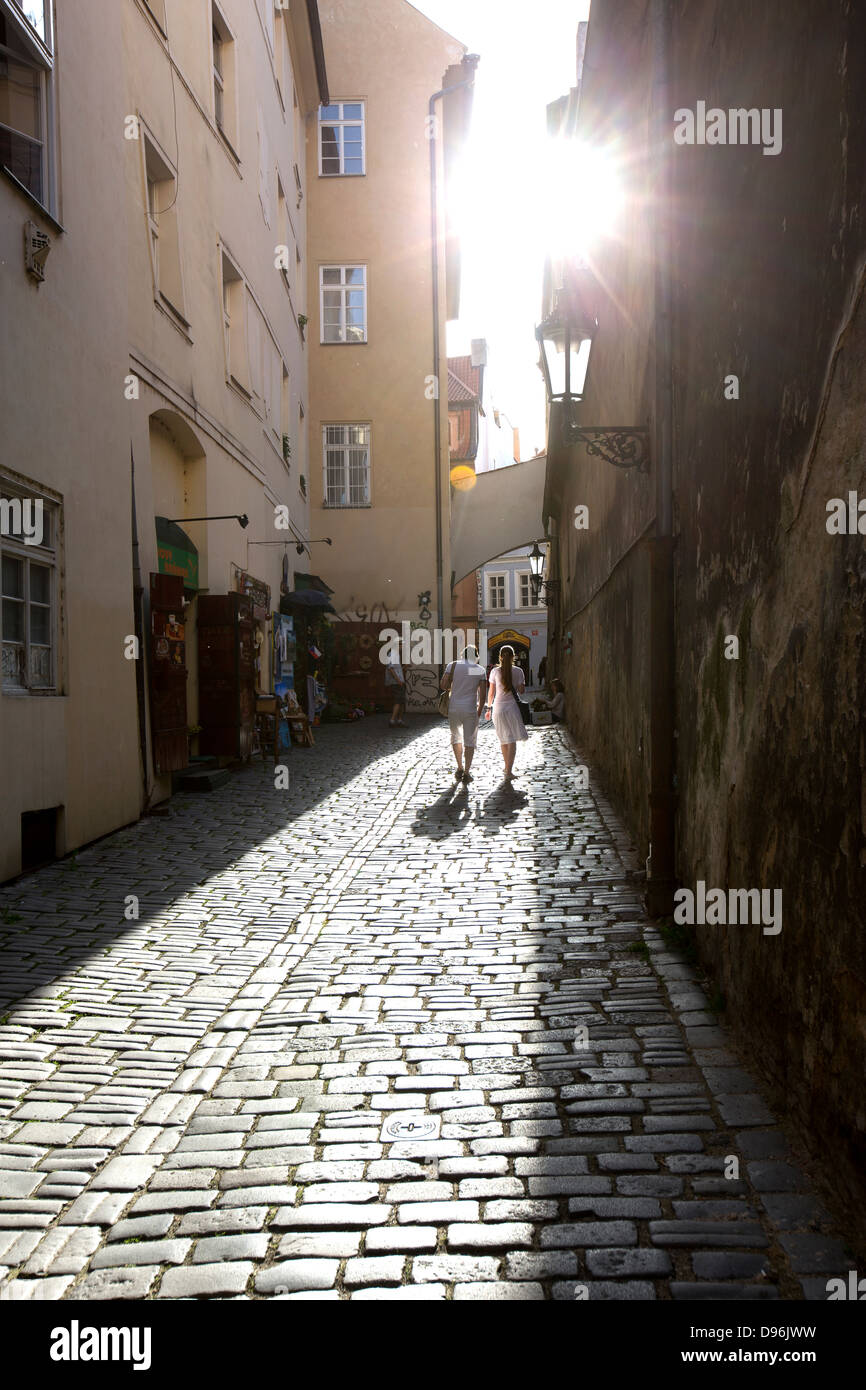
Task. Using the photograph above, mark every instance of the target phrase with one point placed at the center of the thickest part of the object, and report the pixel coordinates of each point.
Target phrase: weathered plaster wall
(770, 255)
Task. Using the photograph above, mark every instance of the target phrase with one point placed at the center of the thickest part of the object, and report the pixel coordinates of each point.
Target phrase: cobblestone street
(202, 1102)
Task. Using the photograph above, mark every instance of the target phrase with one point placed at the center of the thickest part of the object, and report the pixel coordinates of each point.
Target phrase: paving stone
(712, 1264)
(334, 1214)
(549, 1264)
(600, 1290)
(201, 1281)
(35, 1290)
(735, 1293)
(496, 1293)
(326, 1244)
(628, 1264)
(291, 1275)
(384, 1269)
(408, 1293)
(222, 1221)
(132, 1283)
(428, 1269)
(494, 1235)
(142, 1253)
(125, 1174)
(411, 1239)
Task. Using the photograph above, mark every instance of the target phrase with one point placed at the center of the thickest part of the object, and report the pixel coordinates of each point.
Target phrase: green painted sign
(176, 553)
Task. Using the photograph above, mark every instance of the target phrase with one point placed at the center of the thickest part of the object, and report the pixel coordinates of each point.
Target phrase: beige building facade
(68, 742)
(374, 448)
(154, 245)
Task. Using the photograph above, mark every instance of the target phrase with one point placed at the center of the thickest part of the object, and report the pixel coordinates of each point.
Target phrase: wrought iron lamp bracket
(624, 446)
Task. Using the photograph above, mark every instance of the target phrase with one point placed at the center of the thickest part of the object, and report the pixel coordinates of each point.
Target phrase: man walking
(395, 679)
(467, 681)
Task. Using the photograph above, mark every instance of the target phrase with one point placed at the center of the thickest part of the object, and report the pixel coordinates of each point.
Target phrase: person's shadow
(449, 813)
(501, 807)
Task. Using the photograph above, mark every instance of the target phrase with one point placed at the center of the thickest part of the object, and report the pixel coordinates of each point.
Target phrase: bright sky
(528, 54)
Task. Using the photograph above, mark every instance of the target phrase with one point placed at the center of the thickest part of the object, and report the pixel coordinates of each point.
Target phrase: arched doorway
(508, 637)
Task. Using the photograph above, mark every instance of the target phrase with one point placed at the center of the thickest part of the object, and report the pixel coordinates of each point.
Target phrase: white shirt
(466, 678)
(394, 674)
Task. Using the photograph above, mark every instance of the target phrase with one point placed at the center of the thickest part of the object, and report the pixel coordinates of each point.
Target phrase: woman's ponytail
(506, 660)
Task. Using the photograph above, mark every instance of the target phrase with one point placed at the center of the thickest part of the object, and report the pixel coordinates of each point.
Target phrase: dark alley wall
(769, 265)
(769, 261)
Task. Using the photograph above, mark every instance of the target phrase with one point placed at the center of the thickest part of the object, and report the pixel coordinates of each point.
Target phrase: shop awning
(311, 581)
(176, 553)
(306, 598)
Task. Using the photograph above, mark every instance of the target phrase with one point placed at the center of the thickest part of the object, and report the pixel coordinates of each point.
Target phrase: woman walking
(507, 681)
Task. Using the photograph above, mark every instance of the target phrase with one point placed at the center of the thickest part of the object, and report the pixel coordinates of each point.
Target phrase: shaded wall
(769, 267)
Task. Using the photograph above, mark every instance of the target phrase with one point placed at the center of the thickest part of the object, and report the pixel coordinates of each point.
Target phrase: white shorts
(464, 728)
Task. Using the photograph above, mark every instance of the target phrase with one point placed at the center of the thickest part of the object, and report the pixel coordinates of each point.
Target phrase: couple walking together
(466, 681)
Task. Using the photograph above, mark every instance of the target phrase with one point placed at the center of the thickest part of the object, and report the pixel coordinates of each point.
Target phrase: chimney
(516, 433)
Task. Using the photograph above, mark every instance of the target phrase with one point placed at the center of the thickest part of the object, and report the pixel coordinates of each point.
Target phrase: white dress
(507, 719)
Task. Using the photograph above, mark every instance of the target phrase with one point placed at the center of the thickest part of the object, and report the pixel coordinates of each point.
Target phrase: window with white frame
(346, 465)
(26, 68)
(235, 325)
(496, 595)
(28, 560)
(224, 97)
(524, 590)
(162, 224)
(342, 145)
(343, 303)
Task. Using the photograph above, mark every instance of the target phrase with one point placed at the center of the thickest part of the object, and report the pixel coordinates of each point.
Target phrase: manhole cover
(413, 1125)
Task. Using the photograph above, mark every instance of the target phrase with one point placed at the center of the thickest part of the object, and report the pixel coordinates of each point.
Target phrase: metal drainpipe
(661, 863)
(434, 244)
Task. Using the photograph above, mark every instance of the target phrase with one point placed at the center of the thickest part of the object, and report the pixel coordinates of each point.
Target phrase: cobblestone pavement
(193, 1104)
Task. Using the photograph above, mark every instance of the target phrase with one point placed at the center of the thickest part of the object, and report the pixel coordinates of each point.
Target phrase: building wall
(530, 622)
(383, 558)
(62, 356)
(202, 445)
(770, 744)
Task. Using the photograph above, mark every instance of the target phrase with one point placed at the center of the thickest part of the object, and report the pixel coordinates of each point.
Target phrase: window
(219, 85)
(234, 325)
(347, 465)
(28, 541)
(341, 138)
(524, 590)
(496, 591)
(224, 102)
(343, 303)
(162, 224)
(25, 94)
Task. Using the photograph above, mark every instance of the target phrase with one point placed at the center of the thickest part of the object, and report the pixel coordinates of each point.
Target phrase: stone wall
(769, 260)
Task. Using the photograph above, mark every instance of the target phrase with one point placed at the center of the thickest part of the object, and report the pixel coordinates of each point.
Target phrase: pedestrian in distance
(394, 679)
(542, 670)
(507, 681)
(466, 681)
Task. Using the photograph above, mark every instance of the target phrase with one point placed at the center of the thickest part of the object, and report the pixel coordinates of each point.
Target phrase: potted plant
(287, 448)
(302, 323)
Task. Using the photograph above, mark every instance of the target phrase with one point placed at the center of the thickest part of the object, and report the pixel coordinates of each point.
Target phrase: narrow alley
(379, 1036)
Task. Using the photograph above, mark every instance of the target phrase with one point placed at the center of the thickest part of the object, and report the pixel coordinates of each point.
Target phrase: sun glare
(583, 198)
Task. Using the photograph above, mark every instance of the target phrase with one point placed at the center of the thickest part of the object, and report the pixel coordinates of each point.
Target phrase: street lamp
(565, 340)
(536, 567)
(243, 521)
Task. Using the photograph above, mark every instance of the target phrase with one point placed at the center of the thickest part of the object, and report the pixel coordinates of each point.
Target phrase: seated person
(557, 704)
